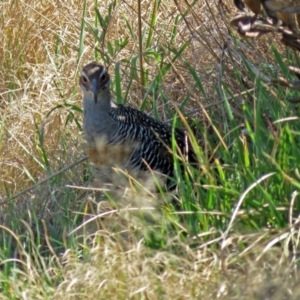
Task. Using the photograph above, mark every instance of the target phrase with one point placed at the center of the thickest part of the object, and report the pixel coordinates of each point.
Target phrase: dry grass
(41, 71)
(39, 135)
(117, 267)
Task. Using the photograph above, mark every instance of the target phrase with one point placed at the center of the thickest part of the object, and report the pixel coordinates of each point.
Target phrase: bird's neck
(102, 106)
(97, 120)
(104, 101)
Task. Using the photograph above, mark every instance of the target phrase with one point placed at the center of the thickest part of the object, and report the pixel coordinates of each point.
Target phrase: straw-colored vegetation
(230, 231)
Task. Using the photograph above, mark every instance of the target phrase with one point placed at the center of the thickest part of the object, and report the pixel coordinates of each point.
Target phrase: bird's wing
(151, 139)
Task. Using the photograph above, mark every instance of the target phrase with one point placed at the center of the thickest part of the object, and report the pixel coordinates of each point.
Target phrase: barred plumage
(144, 142)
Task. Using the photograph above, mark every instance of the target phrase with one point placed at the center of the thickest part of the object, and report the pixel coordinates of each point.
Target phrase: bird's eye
(84, 80)
(103, 77)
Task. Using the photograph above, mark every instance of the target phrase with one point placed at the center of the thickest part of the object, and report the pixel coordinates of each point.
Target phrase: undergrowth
(229, 230)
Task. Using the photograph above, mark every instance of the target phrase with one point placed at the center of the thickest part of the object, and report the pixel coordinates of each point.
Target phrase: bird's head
(94, 80)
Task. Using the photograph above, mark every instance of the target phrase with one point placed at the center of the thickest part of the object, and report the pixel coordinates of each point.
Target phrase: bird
(253, 5)
(122, 136)
(278, 10)
(286, 6)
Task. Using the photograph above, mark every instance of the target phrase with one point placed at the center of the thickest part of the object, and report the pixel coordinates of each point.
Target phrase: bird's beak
(95, 90)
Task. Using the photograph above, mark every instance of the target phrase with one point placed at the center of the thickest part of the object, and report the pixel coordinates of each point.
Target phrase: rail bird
(124, 137)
